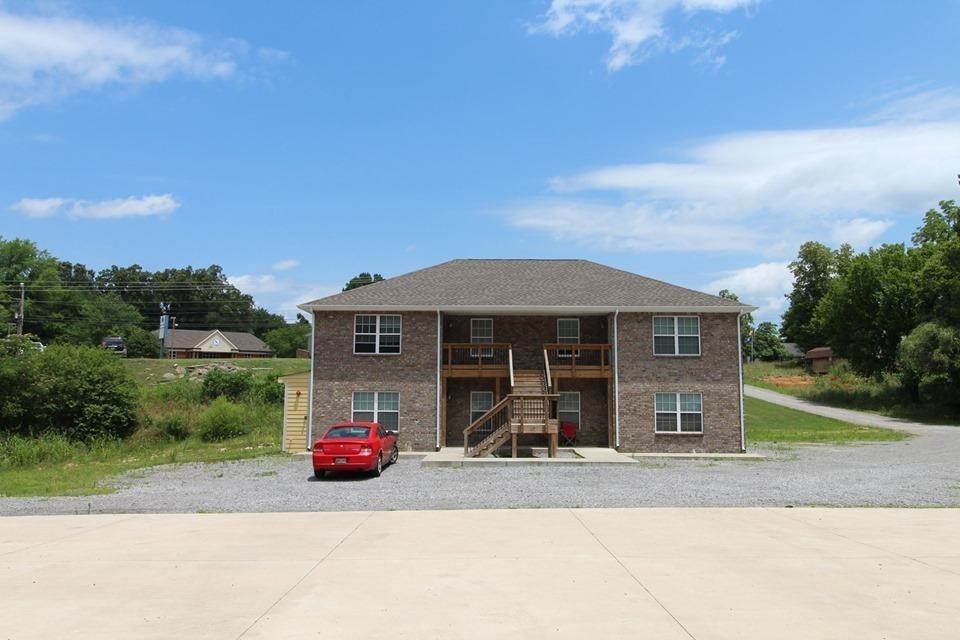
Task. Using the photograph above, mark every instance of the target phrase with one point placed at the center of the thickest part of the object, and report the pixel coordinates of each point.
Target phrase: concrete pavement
(847, 415)
(611, 573)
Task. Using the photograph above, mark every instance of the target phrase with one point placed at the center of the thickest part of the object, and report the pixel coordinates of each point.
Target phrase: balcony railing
(476, 358)
(578, 360)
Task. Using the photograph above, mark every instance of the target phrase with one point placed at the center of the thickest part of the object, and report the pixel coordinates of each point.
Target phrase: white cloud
(285, 265)
(38, 207)
(764, 285)
(638, 27)
(859, 232)
(44, 58)
(764, 191)
(252, 283)
(132, 207)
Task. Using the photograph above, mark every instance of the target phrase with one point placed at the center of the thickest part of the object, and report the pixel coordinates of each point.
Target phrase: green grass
(766, 422)
(844, 389)
(150, 371)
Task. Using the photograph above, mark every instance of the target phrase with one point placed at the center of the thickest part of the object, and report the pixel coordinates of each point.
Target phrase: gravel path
(921, 471)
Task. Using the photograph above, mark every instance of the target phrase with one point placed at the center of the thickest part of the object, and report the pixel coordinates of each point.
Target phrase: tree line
(889, 310)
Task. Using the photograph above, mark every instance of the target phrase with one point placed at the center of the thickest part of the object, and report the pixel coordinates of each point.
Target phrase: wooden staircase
(529, 408)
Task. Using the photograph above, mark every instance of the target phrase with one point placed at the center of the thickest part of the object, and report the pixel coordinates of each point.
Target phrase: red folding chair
(568, 433)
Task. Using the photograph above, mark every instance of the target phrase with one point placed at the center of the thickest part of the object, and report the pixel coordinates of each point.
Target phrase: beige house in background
(213, 343)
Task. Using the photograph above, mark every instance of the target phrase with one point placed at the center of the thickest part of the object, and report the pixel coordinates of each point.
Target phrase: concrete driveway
(613, 573)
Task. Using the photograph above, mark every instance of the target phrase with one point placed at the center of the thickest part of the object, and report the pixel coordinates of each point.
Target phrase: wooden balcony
(476, 360)
(579, 360)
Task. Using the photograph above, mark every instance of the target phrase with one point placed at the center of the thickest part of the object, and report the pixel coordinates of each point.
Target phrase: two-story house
(483, 353)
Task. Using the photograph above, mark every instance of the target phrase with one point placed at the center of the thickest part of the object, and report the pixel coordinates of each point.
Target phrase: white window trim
(376, 406)
(566, 353)
(676, 338)
(481, 353)
(579, 407)
(677, 432)
(485, 393)
(376, 344)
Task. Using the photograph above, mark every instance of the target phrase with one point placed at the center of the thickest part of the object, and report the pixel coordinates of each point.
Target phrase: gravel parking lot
(922, 471)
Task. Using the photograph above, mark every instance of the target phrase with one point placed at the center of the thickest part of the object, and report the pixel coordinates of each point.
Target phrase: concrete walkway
(452, 457)
(612, 573)
(847, 415)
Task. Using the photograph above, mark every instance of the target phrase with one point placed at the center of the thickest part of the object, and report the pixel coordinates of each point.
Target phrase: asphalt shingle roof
(190, 338)
(522, 283)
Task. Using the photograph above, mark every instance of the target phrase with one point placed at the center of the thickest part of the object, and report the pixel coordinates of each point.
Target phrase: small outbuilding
(296, 402)
(819, 359)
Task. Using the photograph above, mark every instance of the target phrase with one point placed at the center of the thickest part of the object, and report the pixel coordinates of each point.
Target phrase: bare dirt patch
(790, 381)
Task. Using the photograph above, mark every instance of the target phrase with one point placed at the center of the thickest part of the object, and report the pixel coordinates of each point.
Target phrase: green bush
(226, 384)
(174, 426)
(265, 390)
(222, 420)
(81, 393)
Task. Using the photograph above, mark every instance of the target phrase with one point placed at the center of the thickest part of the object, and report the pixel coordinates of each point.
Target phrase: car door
(382, 443)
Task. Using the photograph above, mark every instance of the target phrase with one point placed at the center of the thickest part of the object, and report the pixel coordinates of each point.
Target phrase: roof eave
(531, 309)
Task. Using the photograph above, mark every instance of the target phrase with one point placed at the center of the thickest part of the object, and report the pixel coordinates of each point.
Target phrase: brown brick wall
(527, 334)
(458, 403)
(593, 410)
(714, 373)
(338, 373)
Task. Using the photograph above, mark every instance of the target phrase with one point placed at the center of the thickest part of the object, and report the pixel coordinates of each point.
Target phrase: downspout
(743, 442)
(616, 379)
(313, 359)
(439, 366)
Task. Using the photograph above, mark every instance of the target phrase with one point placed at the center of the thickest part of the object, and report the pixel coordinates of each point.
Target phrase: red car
(355, 446)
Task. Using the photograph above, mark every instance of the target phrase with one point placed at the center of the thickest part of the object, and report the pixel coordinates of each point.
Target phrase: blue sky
(694, 141)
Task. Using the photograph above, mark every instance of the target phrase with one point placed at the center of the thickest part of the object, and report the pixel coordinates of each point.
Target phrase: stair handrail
(490, 414)
(510, 362)
(546, 366)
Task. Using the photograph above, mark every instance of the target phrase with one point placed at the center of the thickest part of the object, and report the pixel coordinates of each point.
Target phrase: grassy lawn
(56, 467)
(150, 371)
(848, 391)
(766, 422)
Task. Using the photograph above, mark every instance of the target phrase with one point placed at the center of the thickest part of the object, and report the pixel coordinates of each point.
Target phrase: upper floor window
(376, 334)
(481, 330)
(676, 335)
(568, 332)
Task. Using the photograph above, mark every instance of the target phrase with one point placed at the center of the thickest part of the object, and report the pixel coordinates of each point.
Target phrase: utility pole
(164, 320)
(20, 313)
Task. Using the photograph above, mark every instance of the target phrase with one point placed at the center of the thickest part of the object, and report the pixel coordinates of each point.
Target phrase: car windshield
(348, 432)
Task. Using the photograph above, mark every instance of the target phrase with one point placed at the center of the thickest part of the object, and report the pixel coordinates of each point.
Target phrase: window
(481, 330)
(568, 407)
(568, 332)
(377, 406)
(679, 413)
(376, 334)
(480, 403)
(676, 336)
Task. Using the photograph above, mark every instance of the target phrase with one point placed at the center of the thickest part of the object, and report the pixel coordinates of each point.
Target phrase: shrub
(16, 451)
(265, 390)
(222, 420)
(174, 426)
(226, 384)
(81, 393)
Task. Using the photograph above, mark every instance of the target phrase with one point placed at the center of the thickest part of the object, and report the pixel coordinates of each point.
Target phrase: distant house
(820, 359)
(213, 343)
(793, 349)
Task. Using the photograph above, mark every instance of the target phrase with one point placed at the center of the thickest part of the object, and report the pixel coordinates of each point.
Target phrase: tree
(286, 340)
(746, 324)
(361, 280)
(939, 226)
(930, 357)
(767, 344)
(869, 309)
(813, 270)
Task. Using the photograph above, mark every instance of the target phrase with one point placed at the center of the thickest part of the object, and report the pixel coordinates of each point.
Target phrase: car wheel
(319, 474)
(377, 470)
(395, 455)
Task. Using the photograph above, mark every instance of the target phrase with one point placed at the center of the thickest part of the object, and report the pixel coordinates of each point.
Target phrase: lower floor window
(568, 407)
(377, 406)
(480, 403)
(679, 413)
